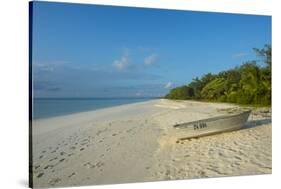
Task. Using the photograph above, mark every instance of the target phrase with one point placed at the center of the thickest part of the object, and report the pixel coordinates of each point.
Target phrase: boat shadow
(256, 123)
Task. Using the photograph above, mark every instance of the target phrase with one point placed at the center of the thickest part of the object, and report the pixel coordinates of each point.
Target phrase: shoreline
(154, 99)
(84, 111)
(135, 139)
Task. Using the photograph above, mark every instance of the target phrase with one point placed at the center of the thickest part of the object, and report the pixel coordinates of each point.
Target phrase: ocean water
(51, 107)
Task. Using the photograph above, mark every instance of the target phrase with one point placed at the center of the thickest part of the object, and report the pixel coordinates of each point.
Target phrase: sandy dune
(135, 143)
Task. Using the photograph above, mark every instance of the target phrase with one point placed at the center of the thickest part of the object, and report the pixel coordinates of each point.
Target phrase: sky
(83, 50)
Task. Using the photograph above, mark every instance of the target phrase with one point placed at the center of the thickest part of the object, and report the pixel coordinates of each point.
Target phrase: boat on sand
(213, 125)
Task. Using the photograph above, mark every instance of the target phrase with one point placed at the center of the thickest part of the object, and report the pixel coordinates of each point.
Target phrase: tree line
(249, 83)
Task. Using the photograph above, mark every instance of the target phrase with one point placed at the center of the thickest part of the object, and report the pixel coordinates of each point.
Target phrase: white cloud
(123, 62)
(168, 85)
(150, 59)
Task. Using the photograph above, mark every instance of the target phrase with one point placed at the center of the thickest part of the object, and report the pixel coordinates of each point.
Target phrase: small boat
(213, 125)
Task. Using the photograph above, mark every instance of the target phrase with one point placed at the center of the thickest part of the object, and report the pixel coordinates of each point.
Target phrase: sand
(135, 143)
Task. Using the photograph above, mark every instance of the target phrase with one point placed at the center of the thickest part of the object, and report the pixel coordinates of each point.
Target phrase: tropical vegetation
(249, 83)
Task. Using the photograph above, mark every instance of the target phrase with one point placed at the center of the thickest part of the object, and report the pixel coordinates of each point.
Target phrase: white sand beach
(135, 143)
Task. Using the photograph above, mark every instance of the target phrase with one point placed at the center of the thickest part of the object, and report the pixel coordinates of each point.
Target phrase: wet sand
(135, 143)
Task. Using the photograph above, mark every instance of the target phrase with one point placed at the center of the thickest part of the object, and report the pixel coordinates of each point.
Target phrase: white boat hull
(211, 125)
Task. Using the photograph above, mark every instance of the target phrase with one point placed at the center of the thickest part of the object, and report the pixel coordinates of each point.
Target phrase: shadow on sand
(256, 123)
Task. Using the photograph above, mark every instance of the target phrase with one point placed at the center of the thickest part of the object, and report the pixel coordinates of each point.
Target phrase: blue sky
(106, 51)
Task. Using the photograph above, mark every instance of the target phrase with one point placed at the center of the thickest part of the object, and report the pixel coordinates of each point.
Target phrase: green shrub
(247, 84)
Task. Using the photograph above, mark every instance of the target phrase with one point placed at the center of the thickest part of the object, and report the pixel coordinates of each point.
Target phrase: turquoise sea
(50, 107)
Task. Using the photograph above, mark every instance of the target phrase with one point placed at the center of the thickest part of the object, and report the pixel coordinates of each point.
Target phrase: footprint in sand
(236, 157)
(128, 130)
(53, 159)
(62, 153)
(40, 175)
(179, 142)
(72, 174)
(54, 181)
(99, 164)
(89, 165)
(46, 167)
